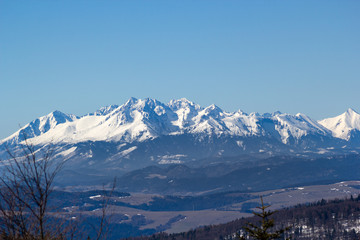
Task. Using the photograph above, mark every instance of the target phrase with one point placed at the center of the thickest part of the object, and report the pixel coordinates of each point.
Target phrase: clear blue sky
(259, 56)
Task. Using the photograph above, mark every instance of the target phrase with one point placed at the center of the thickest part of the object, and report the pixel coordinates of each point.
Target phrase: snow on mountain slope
(40, 126)
(343, 125)
(297, 126)
(241, 124)
(139, 120)
(208, 120)
(185, 111)
(105, 110)
(136, 120)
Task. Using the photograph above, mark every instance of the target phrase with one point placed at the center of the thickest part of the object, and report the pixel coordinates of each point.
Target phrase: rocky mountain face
(145, 132)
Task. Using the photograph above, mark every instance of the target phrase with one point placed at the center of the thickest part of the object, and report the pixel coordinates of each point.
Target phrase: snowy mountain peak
(105, 110)
(140, 105)
(276, 113)
(213, 110)
(132, 101)
(50, 121)
(40, 126)
(181, 100)
(148, 104)
(240, 112)
(351, 112)
(183, 103)
(255, 114)
(150, 101)
(343, 125)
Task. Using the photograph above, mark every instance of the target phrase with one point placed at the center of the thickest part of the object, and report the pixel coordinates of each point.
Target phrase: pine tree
(262, 232)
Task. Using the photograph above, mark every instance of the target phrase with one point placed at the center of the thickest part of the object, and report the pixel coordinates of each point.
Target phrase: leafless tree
(102, 228)
(26, 183)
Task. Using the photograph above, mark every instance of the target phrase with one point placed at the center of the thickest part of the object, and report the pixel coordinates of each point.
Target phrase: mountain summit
(344, 125)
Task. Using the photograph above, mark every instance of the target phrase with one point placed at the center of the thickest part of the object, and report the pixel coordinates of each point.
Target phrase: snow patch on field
(96, 196)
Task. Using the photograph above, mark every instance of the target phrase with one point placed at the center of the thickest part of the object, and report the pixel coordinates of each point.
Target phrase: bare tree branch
(25, 186)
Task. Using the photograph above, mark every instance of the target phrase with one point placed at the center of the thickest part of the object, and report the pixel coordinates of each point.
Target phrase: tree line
(324, 219)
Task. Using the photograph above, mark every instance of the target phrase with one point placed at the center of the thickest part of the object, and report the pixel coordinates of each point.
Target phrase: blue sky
(258, 56)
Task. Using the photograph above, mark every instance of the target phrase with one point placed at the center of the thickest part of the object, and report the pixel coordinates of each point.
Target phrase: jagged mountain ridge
(139, 120)
(145, 132)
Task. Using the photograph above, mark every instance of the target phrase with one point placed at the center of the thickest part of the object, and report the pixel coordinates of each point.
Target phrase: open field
(178, 221)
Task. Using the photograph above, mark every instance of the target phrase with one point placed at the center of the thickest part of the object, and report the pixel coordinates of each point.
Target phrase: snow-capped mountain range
(139, 120)
(148, 131)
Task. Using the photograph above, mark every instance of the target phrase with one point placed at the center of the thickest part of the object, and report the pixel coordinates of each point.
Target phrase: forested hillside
(335, 219)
